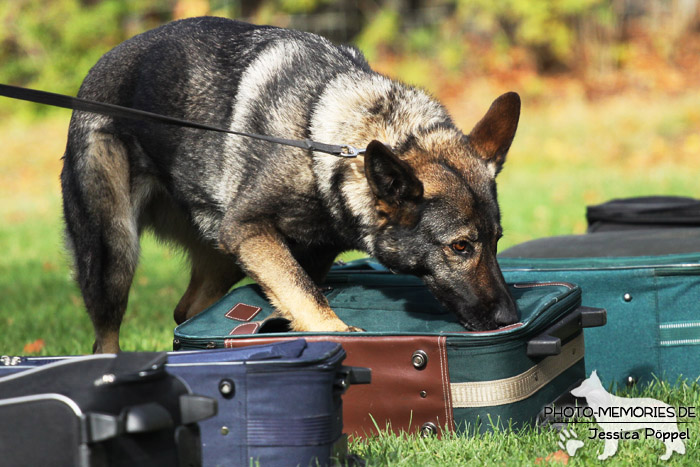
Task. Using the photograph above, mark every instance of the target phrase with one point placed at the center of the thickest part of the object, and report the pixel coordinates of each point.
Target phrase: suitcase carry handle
(549, 342)
(145, 418)
(136, 419)
(349, 375)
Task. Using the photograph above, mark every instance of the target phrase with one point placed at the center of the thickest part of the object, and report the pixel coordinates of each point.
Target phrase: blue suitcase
(278, 404)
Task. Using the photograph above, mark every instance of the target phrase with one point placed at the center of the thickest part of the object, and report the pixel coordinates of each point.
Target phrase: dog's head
(439, 217)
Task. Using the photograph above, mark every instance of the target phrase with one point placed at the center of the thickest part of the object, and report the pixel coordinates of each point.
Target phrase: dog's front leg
(264, 256)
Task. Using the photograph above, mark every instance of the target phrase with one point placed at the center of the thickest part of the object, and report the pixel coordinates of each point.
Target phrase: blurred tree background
(611, 108)
(608, 86)
(603, 46)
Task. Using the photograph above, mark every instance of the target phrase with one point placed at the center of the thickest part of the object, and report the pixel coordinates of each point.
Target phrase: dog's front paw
(328, 325)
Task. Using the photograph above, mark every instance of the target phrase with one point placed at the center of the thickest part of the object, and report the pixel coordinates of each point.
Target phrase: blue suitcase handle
(549, 342)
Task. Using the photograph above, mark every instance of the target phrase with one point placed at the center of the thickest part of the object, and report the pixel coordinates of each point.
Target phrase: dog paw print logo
(569, 442)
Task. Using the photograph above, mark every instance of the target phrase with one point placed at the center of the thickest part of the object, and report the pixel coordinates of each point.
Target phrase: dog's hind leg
(213, 274)
(101, 230)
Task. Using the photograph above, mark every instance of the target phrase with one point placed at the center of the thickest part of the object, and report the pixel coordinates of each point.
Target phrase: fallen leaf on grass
(34, 347)
(559, 456)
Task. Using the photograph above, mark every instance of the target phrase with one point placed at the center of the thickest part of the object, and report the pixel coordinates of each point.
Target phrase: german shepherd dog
(422, 199)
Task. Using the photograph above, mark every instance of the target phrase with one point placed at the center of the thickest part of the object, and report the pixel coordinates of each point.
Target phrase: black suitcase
(647, 212)
(116, 410)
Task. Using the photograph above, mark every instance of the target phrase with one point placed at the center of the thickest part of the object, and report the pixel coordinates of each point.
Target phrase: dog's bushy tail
(101, 229)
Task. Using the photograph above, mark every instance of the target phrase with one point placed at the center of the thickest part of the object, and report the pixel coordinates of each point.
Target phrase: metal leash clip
(349, 151)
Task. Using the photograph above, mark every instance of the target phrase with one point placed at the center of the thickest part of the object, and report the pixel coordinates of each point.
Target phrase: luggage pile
(240, 386)
(640, 260)
(428, 373)
(277, 404)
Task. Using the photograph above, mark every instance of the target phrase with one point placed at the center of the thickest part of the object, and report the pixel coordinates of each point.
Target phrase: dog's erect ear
(492, 136)
(391, 179)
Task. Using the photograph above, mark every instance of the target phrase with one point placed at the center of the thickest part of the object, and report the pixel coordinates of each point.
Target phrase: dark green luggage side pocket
(653, 306)
(678, 298)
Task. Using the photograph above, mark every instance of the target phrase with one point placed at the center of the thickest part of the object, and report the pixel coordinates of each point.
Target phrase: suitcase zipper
(535, 326)
(204, 344)
(527, 285)
(694, 267)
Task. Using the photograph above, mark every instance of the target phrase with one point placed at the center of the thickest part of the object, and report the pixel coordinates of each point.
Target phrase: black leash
(112, 110)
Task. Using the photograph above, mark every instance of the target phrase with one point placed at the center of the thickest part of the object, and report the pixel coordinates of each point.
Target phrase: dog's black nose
(506, 313)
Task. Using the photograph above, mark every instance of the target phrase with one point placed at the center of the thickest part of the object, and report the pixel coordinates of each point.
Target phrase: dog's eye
(462, 247)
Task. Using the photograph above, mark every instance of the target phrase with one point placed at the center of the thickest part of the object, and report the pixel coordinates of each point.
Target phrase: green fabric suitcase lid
(390, 304)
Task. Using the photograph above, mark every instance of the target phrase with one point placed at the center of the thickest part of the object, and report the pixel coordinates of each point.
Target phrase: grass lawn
(568, 153)
(537, 446)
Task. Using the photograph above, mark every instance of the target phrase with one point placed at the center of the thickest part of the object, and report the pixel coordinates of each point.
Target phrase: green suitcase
(649, 283)
(428, 373)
